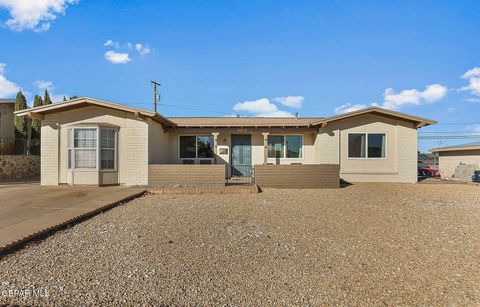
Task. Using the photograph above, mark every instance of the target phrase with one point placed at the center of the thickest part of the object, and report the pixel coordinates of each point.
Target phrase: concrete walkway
(28, 209)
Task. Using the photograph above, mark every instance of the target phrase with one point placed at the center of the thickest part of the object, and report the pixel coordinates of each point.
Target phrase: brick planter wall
(19, 167)
(298, 176)
(189, 175)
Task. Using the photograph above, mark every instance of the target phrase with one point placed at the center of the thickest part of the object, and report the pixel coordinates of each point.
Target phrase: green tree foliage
(73, 97)
(64, 98)
(46, 98)
(20, 122)
(36, 123)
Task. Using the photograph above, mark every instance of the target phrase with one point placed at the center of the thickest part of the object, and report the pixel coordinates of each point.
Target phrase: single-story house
(7, 128)
(87, 141)
(451, 157)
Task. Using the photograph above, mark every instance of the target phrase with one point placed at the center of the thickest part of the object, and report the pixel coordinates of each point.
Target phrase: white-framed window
(107, 148)
(87, 151)
(285, 146)
(196, 147)
(367, 145)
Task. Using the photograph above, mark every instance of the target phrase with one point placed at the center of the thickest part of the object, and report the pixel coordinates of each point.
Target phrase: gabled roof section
(419, 121)
(467, 146)
(87, 101)
(237, 122)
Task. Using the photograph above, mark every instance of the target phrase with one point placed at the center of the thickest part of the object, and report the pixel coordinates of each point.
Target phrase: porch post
(215, 145)
(265, 147)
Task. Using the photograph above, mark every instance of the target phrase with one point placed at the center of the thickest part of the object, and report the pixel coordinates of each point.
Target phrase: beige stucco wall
(158, 144)
(132, 147)
(224, 141)
(7, 129)
(400, 164)
(449, 160)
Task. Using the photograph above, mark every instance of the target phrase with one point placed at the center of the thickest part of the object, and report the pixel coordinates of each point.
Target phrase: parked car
(425, 171)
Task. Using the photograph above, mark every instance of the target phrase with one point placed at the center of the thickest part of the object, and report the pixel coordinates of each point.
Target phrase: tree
(46, 98)
(20, 122)
(64, 98)
(36, 123)
(73, 97)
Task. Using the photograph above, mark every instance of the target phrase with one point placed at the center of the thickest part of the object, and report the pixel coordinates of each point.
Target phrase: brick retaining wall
(188, 174)
(298, 176)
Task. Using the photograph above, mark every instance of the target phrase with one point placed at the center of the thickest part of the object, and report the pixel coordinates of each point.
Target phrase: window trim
(71, 148)
(196, 135)
(366, 145)
(284, 158)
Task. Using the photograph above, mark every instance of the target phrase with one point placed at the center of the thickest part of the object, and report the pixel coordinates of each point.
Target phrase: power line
(452, 132)
(190, 108)
(451, 137)
(452, 124)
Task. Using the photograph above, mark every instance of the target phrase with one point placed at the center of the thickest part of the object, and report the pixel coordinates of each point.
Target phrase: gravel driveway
(366, 244)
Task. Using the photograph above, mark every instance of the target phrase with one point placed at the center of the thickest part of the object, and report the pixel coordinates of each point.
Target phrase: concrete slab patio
(27, 209)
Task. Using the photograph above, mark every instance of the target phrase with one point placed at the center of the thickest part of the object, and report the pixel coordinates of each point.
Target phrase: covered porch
(245, 155)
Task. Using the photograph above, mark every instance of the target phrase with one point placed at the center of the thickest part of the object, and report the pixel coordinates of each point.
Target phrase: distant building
(452, 156)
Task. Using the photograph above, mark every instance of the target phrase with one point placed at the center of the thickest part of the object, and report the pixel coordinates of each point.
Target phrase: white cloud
(34, 15)
(142, 49)
(290, 101)
(117, 57)
(348, 107)
(476, 100)
(473, 77)
(432, 93)
(451, 110)
(112, 43)
(473, 128)
(42, 84)
(261, 108)
(393, 100)
(7, 87)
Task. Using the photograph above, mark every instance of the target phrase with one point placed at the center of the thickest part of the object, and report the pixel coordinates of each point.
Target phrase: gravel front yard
(366, 244)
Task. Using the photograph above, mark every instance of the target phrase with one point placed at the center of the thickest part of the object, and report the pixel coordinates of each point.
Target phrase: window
(366, 145)
(107, 148)
(83, 148)
(285, 146)
(196, 147)
(275, 146)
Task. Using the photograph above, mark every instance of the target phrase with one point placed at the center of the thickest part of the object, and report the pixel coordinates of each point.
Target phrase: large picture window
(85, 152)
(285, 146)
(196, 147)
(367, 145)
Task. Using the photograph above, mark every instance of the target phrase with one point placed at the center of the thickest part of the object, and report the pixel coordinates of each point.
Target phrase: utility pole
(155, 83)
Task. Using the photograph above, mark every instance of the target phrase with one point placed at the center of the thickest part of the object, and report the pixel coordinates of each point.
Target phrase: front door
(241, 155)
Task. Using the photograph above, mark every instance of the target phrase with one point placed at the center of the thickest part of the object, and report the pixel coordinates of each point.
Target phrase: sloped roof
(86, 101)
(467, 146)
(242, 121)
(215, 122)
(420, 121)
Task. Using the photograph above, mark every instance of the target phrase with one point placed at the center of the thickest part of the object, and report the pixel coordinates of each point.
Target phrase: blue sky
(217, 58)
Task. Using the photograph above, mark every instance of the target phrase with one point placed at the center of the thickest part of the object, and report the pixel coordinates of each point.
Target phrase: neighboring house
(7, 128)
(90, 141)
(452, 156)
